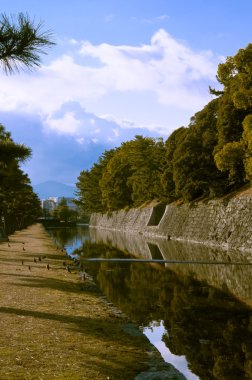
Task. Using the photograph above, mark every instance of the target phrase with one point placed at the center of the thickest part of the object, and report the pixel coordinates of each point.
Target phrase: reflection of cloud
(155, 333)
(173, 74)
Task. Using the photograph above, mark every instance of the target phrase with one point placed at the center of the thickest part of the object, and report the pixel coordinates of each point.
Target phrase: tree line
(21, 44)
(210, 157)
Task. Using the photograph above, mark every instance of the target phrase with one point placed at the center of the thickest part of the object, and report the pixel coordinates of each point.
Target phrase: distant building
(48, 205)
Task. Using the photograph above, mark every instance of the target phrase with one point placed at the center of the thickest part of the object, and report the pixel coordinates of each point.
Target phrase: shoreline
(56, 326)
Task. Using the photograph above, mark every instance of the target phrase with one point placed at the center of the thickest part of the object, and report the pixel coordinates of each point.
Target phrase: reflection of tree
(64, 236)
(209, 326)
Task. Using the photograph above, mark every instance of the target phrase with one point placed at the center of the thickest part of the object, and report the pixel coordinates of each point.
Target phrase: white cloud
(80, 140)
(162, 17)
(95, 141)
(67, 124)
(155, 20)
(72, 120)
(110, 17)
(73, 41)
(174, 75)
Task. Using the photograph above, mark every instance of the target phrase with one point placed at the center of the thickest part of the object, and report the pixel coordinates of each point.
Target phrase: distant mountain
(53, 189)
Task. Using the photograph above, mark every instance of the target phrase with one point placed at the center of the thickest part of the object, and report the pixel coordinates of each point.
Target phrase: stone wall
(221, 223)
(234, 278)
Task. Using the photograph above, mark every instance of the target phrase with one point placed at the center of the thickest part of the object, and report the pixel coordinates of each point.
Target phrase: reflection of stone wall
(235, 278)
(132, 244)
(215, 223)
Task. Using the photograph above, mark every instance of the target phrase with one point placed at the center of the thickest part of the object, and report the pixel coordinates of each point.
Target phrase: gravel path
(53, 325)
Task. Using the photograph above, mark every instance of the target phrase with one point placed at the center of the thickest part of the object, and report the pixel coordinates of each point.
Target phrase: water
(154, 333)
(70, 238)
(198, 315)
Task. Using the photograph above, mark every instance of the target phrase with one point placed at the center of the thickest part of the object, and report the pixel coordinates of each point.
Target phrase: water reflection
(70, 238)
(190, 312)
(155, 333)
(234, 278)
(208, 326)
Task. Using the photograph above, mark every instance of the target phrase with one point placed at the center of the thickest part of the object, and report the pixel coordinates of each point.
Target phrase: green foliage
(146, 158)
(236, 74)
(22, 42)
(210, 157)
(230, 159)
(167, 176)
(18, 204)
(231, 154)
(194, 170)
(88, 185)
(116, 192)
(127, 176)
(229, 121)
(63, 212)
(247, 136)
(88, 189)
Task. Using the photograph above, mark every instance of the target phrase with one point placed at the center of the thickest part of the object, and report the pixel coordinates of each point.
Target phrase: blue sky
(119, 68)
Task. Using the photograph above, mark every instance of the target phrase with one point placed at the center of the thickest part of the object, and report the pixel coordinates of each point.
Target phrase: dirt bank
(53, 325)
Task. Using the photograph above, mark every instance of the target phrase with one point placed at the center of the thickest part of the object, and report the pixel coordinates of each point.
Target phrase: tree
(19, 205)
(247, 137)
(10, 152)
(234, 106)
(146, 156)
(230, 159)
(88, 185)
(22, 42)
(210, 157)
(167, 177)
(236, 74)
(116, 192)
(63, 212)
(193, 167)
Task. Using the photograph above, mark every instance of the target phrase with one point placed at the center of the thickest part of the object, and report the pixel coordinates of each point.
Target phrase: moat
(196, 311)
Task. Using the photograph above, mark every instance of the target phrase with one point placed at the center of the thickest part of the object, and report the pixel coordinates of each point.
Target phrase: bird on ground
(39, 258)
(23, 248)
(29, 267)
(48, 266)
(34, 260)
